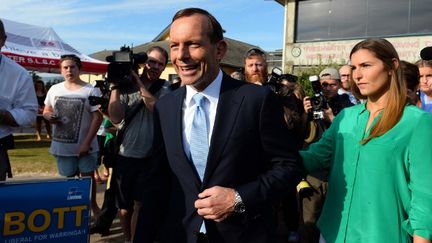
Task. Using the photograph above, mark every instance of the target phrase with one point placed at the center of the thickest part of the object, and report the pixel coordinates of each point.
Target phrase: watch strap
(239, 206)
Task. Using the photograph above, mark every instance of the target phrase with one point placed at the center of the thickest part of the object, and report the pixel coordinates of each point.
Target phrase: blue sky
(94, 25)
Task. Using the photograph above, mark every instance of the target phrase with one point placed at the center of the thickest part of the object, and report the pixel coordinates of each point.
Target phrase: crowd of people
(213, 158)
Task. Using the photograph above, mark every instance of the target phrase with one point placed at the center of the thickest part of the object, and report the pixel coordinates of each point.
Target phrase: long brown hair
(397, 93)
(42, 84)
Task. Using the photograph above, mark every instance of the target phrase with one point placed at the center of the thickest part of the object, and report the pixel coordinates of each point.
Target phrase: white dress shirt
(212, 94)
(17, 94)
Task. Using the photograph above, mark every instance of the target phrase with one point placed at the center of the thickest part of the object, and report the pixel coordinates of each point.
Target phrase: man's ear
(221, 49)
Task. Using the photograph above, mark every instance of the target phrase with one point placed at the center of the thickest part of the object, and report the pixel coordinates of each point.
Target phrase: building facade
(324, 31)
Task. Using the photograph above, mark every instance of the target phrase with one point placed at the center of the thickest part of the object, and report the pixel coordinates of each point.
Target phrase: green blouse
(381, 191)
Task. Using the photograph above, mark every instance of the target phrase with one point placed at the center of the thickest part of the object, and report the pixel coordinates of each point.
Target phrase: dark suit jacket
(251, 150)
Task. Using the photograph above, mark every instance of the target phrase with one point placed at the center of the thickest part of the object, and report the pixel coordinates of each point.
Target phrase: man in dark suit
(224, 180)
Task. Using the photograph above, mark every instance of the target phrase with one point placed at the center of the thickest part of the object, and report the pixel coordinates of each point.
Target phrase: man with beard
(255, 66)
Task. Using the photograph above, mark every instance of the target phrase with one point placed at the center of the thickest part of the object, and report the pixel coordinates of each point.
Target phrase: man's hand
(216, 203)
(148, 98)
(7, 119)
(307, 104)
(137, 80)
(328, 114)
(51, 117)
(84, 150)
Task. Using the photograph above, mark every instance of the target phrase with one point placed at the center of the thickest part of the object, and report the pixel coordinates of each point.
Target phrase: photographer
(291, 95)
(330, 104)
(333, 103)
(135, 98)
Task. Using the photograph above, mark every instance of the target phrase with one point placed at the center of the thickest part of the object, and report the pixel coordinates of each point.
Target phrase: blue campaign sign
(55, 210)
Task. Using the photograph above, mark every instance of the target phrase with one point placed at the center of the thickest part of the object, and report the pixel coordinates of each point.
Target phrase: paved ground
(116, 231)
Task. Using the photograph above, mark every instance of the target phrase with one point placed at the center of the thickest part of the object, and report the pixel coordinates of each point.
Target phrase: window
(345, 19)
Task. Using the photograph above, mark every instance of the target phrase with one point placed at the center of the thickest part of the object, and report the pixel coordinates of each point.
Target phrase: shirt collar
(211, 92)
(363, 107)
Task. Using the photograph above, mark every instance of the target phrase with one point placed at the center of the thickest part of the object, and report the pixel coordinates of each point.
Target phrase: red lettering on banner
(40, 61)
(33, 60)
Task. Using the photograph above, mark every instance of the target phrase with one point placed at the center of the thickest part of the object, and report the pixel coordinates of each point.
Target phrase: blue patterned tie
(199, 136)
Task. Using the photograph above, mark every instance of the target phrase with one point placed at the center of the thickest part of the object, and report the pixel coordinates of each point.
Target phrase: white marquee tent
(39, 49)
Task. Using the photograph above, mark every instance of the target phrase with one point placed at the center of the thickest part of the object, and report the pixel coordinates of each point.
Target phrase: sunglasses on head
(254, 51)
(68, 55)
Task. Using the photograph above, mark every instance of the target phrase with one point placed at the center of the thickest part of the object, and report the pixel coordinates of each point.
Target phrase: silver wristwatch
(239, 206)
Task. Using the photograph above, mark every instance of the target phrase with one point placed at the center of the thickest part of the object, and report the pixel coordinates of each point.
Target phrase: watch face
(296, 51)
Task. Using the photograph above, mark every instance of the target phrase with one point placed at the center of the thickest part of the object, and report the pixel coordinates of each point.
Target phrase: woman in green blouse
(380, 189)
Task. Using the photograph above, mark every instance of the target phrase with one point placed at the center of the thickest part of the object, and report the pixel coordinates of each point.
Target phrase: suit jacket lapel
(226, 114)
(177, 134)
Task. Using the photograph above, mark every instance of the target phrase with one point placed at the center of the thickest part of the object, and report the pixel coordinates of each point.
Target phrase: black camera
(101, 100)
(318, 101)
(276, 77)
(120, 67)
(122, 63)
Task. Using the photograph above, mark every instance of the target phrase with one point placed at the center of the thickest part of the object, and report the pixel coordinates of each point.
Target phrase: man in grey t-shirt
(136, 145)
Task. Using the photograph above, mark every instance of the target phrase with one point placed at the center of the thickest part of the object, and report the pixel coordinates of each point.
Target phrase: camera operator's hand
(307, 104)
(328, 114)
(148, 98)
(139, 81)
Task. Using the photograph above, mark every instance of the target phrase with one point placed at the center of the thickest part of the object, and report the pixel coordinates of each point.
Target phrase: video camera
(318, 101)
(276, 77)
(122, 63)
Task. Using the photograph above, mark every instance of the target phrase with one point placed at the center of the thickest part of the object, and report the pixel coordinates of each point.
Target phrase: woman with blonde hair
(379, 188)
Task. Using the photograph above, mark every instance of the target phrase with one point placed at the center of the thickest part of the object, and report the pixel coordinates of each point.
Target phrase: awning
(39, 49)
